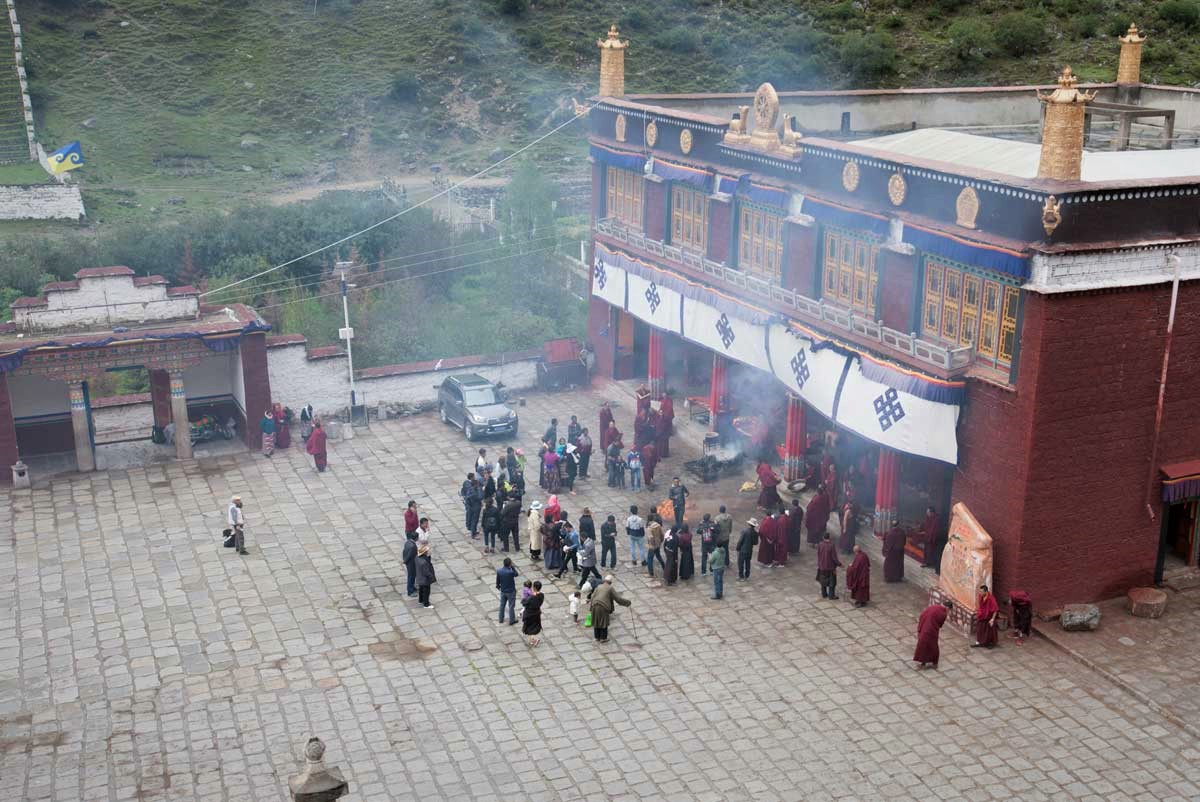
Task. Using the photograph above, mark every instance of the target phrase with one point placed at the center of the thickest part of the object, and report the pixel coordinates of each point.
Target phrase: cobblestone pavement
(141, 661)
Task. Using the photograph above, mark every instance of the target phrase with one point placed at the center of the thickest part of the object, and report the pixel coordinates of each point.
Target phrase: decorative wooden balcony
(951, 360)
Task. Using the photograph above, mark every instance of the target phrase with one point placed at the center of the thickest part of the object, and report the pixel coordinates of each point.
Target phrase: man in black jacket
(510, 523)
(410, 562)
(490, 521)
(472, 499)
(745, 547)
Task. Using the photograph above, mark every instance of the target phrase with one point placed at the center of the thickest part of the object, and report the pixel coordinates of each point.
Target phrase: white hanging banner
(654, 303)
(727, 335)
(897, 419)
(812, 375)
(608, 280)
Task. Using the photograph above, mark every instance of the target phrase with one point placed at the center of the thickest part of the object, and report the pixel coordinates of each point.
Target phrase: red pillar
(795, 441)
(258, 385)
(8, 432)
(887, 489)
(718, 394)
(657, 366)
(160, 396)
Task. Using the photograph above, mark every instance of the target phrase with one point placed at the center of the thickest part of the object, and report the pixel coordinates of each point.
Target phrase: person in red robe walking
(827, 565)
(642, 394)
(849, 522)
(893, 553)
(816, 517)
(283, 425)
(858, 577)
(768, 497)
(316, 446)
(766, 541)
(606, 418)
(928, 626)
(795, 526)
(666, 420)
(781, 536)
(929, 533)
(649, 463)
(986, 611)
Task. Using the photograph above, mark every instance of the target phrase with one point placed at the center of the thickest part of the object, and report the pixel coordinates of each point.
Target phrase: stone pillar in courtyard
(85, 456)
(317, 783)
(179, 413)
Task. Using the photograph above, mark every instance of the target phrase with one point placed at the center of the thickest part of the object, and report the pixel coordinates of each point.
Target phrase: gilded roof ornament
(1132, 37)
(1067, 91)
(613, 42)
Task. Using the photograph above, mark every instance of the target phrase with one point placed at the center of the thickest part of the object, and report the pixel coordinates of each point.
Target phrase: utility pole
(347, 334)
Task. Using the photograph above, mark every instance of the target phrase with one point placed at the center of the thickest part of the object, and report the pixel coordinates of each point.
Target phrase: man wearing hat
(745, 547)
(533, 527)
(237, 523)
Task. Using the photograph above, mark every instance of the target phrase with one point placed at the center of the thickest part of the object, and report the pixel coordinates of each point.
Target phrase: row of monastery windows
(959, 305)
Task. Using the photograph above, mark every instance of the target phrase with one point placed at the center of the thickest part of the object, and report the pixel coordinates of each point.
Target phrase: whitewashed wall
(35, 396)
(210, 377)
(104, 301)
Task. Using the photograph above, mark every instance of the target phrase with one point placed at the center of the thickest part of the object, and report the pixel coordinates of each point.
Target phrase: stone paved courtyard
(141, 661)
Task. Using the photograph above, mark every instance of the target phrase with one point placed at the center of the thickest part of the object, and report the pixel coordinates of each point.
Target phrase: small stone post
(317, 783)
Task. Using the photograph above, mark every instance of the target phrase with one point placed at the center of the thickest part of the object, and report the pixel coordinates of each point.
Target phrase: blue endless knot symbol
(889, 409)
(800, 369)
(600, 273)
(653, 298)
(725, 330)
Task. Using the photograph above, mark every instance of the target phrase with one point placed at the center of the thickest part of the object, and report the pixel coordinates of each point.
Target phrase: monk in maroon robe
(831, 486)
(649, 463)
(929, 534)
(928, 626)
(642, 394)
(768, 497)
(827, 565)
(766, 541)
(781, 536)
(893, 553)
(666, 420)
(858, 577)
(613, 435)
(986, 611)
(606, 419)
(849, 521)
(795, 526)
(816, 517)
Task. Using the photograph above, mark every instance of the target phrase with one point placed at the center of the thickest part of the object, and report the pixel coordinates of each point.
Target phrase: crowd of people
(276, 430)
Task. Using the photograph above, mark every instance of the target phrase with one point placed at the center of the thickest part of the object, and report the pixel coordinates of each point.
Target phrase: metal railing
(941, 356)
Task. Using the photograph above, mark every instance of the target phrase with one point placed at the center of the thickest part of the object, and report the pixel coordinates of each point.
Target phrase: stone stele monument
(967, 558)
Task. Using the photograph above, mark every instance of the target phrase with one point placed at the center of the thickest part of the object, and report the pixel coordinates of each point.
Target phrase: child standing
(576, 600)
(635, 470)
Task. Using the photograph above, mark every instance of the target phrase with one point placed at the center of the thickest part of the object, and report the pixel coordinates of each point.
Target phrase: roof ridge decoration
(1129, 66)
(612, 63)
(1062, 130)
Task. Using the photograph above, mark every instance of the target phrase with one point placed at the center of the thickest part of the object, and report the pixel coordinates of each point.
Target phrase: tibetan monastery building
(969, 293)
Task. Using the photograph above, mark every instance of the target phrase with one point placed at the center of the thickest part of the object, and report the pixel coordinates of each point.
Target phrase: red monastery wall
(1101, 355)
(896, 276)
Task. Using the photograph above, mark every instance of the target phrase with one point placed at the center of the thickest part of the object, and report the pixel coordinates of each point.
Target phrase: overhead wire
(408, 209)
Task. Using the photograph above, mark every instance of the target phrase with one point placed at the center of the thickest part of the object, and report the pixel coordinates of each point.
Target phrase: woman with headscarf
(987, 609)
(670, 549)
(552, 555)
(531, 616)
(283, 425)
(550, 461)
(552, 509)
(316, 446)
(267, 427)
(687, 560)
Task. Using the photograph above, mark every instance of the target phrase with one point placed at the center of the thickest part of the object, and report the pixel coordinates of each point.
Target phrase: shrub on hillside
(1019, 34)
(405, 86)
(513, 8)
(1180, 12)
(869, 56)
(680, 39)
(969, 40)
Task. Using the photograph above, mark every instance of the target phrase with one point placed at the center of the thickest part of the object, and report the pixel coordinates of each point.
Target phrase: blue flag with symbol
(68, 157)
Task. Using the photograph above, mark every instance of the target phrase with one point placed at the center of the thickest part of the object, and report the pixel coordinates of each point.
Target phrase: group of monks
(652, 431)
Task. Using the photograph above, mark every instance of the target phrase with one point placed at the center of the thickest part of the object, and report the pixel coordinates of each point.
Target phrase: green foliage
(405, 86)
(513, 8)
(680, 39)
(970, 40)
(1180, 12)
(1020, 34)
(869, 56)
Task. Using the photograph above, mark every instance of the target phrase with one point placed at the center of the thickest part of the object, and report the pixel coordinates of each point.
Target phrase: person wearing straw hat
(745, 548)
(237, 524)
(602, 598)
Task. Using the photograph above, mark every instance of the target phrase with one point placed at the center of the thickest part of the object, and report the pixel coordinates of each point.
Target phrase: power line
(417, 205)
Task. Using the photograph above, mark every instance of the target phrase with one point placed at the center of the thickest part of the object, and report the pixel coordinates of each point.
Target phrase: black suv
(472, 402)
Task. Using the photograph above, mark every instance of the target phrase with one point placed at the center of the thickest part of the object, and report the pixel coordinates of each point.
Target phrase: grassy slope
(175, 87)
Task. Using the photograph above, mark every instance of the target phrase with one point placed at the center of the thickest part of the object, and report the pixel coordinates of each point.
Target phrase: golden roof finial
(1066, 92)
(613, 40)
(1132, 36)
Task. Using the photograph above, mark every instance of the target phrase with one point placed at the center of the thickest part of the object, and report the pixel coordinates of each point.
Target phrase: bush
(893, 22)
(969, 40)
(869, 57)
(1019, 34)
(1180, 12)
(679, 39)
(405, 86)
(639, 18)
(1085, 26)
(514, 8)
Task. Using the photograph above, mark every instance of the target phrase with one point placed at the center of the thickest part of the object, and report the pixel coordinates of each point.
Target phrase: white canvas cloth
(897, 419)
(608, 280)
(653, 303)
(728, 335)
(812, 375)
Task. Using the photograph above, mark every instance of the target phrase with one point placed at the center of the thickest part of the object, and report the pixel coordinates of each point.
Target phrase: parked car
(475, 405)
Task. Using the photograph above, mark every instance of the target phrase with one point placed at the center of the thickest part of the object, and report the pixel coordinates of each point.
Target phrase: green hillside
(213, 101)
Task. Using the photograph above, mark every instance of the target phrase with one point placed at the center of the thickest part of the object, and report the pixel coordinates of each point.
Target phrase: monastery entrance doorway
(1181, 534)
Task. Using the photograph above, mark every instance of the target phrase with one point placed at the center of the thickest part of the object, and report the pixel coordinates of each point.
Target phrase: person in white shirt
(635, 528)
(237, 522)
(481, 464)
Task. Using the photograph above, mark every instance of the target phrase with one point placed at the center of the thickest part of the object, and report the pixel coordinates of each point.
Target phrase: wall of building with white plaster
(105, 301)
(211, 377)
(297, 381)
(37, 396)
